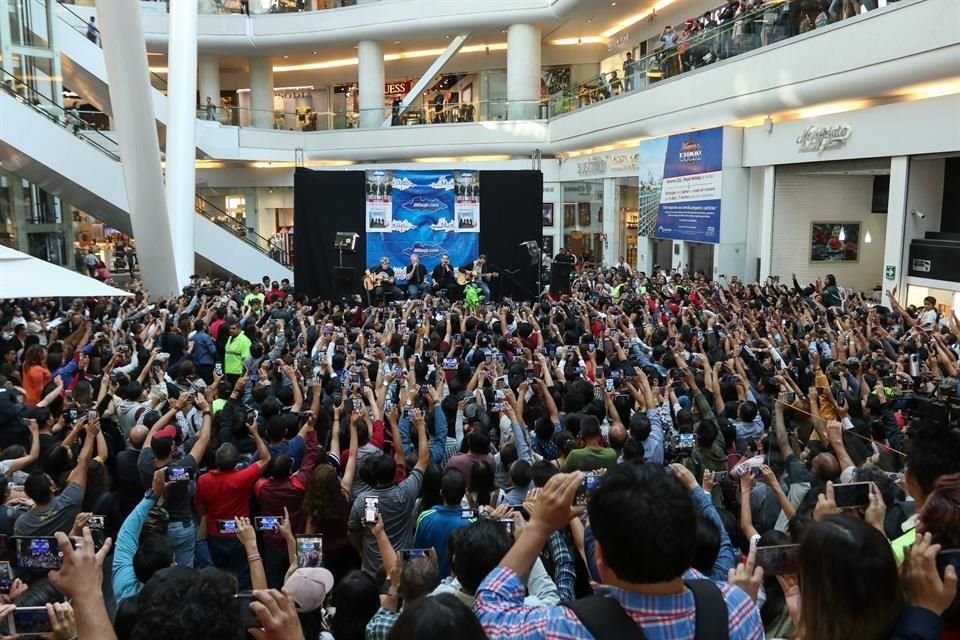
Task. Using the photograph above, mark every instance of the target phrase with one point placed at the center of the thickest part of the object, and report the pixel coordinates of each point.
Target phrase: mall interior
(165, 135)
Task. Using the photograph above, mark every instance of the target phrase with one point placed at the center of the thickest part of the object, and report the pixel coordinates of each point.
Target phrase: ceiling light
(285, 57)
(589, 20)
(583, 40)
(314, 53)
(396, 42)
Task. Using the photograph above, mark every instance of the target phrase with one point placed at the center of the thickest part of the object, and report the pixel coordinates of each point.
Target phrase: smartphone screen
(227, 527)
(91, 416)
(38, 553)
(267, 523)
(591, 482)
(467, 514)
(412, 554)
(96, 522)
(507, 524)
(245, 614)
(6, 577)
(779, 560)
(175, 474)
(371, 509)
(686, 440)
(609, 385)
(31, 622)
(854, 494)
(309, 550)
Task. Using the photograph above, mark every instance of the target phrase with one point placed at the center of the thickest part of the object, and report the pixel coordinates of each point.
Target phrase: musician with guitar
(479, 273)
(379, 282)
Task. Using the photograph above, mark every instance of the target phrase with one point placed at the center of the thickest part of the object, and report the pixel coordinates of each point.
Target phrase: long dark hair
(849, 584)
(356, 599)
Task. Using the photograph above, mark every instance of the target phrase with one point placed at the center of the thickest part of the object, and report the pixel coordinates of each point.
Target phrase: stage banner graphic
(427, 213)
(684, 172)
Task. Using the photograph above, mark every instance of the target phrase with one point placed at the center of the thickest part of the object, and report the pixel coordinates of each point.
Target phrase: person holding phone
(435, 525)
(157, 453)
(224, 493)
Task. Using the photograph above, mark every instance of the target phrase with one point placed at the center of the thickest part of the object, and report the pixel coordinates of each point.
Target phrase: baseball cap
(169, 431)
(309, 587)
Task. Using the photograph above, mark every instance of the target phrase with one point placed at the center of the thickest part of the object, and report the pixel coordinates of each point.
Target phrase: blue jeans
(485, 288)
(229, 555)
(413, 290)
(183, 540)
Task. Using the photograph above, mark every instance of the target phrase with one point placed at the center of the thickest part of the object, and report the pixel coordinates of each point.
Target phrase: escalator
(51, 147)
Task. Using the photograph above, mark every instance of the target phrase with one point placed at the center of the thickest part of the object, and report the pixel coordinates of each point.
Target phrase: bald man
(128, 480)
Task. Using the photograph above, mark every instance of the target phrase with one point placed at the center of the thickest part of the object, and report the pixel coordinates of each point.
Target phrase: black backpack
(605, 619)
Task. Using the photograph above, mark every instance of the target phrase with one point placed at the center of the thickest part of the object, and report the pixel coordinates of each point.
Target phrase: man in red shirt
(223, 494)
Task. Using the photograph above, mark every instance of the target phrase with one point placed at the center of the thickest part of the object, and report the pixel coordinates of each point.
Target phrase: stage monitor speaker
(343, 285)
(560, 277)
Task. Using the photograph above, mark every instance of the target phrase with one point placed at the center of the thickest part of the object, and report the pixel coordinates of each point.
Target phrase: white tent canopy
(23, 276)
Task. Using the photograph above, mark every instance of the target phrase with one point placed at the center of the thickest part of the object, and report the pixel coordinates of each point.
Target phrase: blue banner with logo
(689, 183)
(427, 213)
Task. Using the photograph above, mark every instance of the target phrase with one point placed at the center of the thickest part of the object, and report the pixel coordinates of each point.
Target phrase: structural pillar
(181, 150)
(766, 221)
(895, 244)
(370, 81)
(261, 93)
(611, 220)
(523, 72)
(208, 80)
(125, 57)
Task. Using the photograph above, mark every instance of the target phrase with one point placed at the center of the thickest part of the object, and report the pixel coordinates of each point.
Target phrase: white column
(523, 71)
(261, 92)
(766, 221)
(611, 222)
(679, 255)
(370, 80)
(181, 134)
(895, 245)
(208, 79)
(125, 57)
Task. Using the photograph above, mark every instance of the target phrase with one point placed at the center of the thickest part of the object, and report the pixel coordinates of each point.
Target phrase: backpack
(605, 619)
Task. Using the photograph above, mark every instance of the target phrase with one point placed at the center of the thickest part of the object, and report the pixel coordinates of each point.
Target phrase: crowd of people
(653, 455)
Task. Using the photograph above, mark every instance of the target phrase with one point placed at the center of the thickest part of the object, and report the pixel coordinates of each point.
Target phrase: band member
(443, 278)
(480, 268)
(565, 256)
(387, 286)
(416, 276)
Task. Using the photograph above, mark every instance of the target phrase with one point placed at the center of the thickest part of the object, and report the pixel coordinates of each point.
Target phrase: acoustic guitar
(466, 277)
(373, 280)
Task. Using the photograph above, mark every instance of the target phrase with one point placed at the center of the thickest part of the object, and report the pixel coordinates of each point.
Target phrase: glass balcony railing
(479, 111)
(71, 120)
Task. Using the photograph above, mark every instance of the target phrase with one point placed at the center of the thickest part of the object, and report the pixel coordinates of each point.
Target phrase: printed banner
(427, 213)
(684, 172)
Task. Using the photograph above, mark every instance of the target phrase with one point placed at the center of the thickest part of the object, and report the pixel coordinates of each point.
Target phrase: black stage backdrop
(325, 202)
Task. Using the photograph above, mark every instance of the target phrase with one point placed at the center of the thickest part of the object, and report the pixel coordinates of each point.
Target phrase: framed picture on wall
(835, 242)
(548, 214)
(584, 213)
(569, 214)
(548, 246)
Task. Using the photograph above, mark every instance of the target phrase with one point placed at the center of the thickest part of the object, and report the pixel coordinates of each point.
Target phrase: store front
(865, 195)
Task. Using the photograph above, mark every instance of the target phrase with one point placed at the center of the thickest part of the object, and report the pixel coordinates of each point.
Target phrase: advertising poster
(684, 173)
(421, 212)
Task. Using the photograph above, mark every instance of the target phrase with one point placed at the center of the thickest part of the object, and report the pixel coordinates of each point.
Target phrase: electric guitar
(373, 280)
(466, 277)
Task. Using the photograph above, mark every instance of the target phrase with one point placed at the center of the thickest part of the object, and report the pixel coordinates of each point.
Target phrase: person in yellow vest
(256, 294)
(235, 353)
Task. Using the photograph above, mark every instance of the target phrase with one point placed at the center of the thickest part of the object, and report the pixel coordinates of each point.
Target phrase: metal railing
(70, 119)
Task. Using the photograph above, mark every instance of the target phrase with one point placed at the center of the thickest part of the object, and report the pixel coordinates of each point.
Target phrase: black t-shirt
(443, 277)
(129, 486)
(416, 275)
(178, 494)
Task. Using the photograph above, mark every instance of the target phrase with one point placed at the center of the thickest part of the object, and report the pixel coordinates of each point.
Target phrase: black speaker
(560, 277)
(343, 282)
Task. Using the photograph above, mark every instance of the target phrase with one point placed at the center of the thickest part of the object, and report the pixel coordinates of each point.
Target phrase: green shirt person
(236, 351)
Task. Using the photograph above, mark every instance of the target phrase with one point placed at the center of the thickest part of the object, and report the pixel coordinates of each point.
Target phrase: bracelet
(253, 558)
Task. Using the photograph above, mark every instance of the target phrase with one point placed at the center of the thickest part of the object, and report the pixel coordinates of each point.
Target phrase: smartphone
(508, 525)
(424, 390)
(228, 527)
(267, 523)
(591, 347)
(31, 622)
(719, 476)
(176, 474)
(357, 404)
(686, 440)
(609, 385)
(944, 557)
(38, 553)
(854, 494)
(6, 577)
(96, 522)
(530, 374)
(244, 613)
(591, 482)
(371, 509)
(218, 369)
(309, 550)
(92, 416)
(457, 338)
(68, 396)
(779, 560)
(791, 397)
(599, 371)
(412, 554)
(468, 514)
(449, 363)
